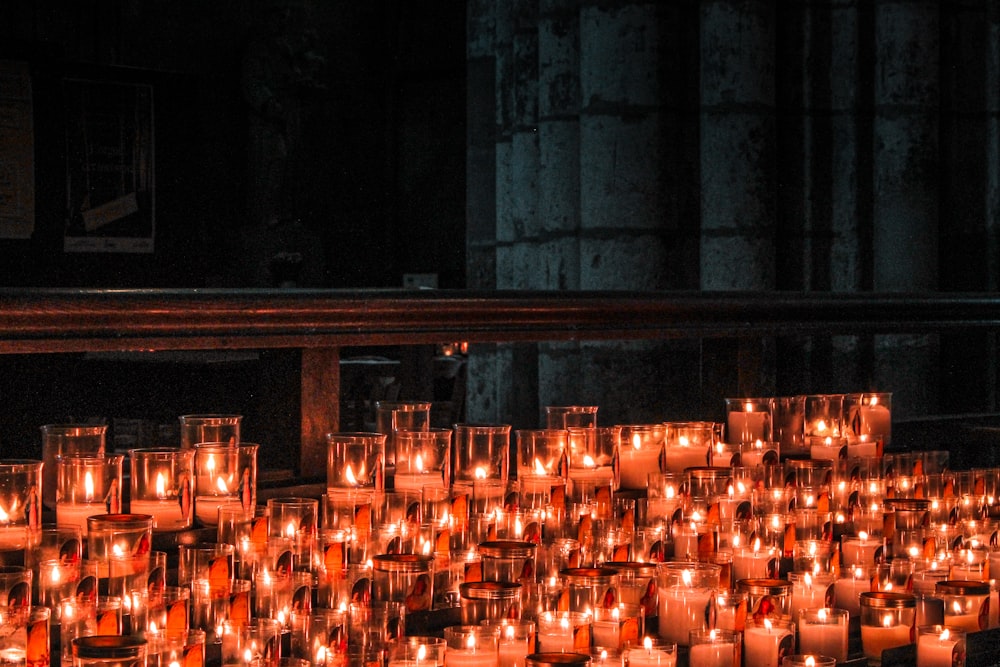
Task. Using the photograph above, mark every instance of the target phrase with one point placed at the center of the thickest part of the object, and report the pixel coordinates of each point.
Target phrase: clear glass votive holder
(767, 598)
(225, 475)
(489, 601)
(767, 640)
(423, 458)
(543, 452)
(589, 588)
(88, 485)
(471, 645)
(748, 419)
(591, 455)
(617, 626)
(482, 451)
(257, 643)
(966, 603)
(713, 647)
(20, 504)
(824, 631)
(162, 486)
(176, 649)
(356, 461)
(170, 610)
(563, 632)
(640, 454)
(60, 440)
(888, 620)
(199, 428)
(392, 416)
(684, 593)
(570, 416)
(406, 578)
(508, 560)
(110, 535)
(107, 651)
(428, 651)
(807, 660)
(320, 636)
(941, 645)
(789, 423)
(823, 414)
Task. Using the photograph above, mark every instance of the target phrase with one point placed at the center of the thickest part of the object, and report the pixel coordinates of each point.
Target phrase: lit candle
(763, 645)
(824, 632)
(637, 459)
(848, 588)
(718, 651)
(878, 638)
(750, 562)
(516, 643)
(648, 656)
(76, 514)
(940, 649)
(747, 425)
(683, 607)
(206, 507)
(167, 508)
(474, 654)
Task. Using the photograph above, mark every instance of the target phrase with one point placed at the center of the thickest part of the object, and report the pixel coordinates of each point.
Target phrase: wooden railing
(320, 322)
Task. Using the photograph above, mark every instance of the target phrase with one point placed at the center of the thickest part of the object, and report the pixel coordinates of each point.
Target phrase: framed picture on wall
(110, 180)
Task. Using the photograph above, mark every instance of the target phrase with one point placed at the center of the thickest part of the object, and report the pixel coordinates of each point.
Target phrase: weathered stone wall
(839, 145)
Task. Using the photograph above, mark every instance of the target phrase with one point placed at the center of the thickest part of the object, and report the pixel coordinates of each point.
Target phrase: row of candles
(494, 531)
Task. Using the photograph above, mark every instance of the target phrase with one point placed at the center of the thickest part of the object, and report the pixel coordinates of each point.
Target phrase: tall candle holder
(482, 451)
(199, 428)
(640, 453)
(162, 486)
(423, 458)
(67, 440)
(20, 503)
(88, 485)
(748, 419)
(224, 476)
(687, 445)
(356, 460)
(592, 453)
(543, 452)
(118, 535)
(297, 520)
(391, 416)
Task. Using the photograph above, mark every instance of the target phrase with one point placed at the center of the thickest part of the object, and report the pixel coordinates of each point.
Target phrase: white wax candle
(763, 646)
(810, 594)
(824, 639)
(470, 658)
(653, 657)
(416, 481)
(636, 463)
(876, 420)
(968, 622)
(166, 513)
(555, 642)
(206, 508)
(678, 459)
(606, 633)
(680, 611)
(875, 639)
(600, 474)
(861, 449)
(847, 593)
(712, 655)
(937, 650)
(859, 550)
(753, 564)
(75, 514)
(513, 651)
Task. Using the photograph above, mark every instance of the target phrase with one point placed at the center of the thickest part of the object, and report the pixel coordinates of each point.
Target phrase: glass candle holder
(255, 644)
(162, 486)
(640, 453)
(542, 452)
(824, 631)
(589, 588)
(591, 456)
(471, 645)
(869, 414)
(827, 447)
(423, 458)
(67, 440)
(563, 632)
(508, 560)
(687, 445)
(766, 641)
(483, 601)
(789, 423)
(940, 646)
(297, 520)
(966, 603)
(355, 461)
(224, 476)
(20, 502)
(748, 419)
(767, 598)
(811, 590)
(108, 651)
(684, 593)
(110, 535)
(482, 451)
(755, 561)
(618, 626)
(196, 429)
(516, 640)
(88, 485)
(571, 416)
(428, 651)
(391, 416)
(888, 620)
(713, 647)
(406, 578)
(808, 660)
(650, 653)
(823, 414)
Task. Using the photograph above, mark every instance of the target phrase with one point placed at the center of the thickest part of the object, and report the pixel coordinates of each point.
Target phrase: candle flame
(887, 621)
(671, 492)
(418, 463)
(421, 652)
(161, 486)
(588, 461)
(863, 535)
(756, 545)
(767, 624)
(945, 634)
(711, 635)
(686, 577)
(510, 632)
(539, 468)
(470, 643)
(210, 464)
(648, 644)
(748, 406)
(821, 614)
(683, 441)
(808, 579)
(810, 661)
(88, 486)
(480, 472)
(636, 441)
(221, 484)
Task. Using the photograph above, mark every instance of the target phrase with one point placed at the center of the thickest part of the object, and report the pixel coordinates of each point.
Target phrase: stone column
(737, 145)
(906, 188)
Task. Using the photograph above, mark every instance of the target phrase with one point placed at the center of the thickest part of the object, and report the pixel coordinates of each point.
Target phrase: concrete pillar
(737, 145)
